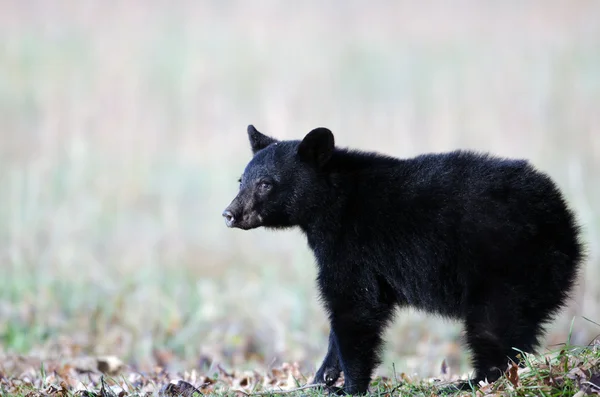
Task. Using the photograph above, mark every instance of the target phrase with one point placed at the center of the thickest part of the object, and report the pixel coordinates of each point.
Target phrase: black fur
(468, 236)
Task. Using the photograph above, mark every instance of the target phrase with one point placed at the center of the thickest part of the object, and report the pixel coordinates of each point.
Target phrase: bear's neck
(332, 207)
(323, 219)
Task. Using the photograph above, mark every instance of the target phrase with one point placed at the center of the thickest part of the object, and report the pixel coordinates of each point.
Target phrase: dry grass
(572, 371)
(123, 133)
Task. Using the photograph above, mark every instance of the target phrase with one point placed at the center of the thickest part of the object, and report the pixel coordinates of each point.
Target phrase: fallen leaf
(163, 357)
(181, 388)
(577, 374)
(109, 365)
(592, 385)
(513, 375)
(444, 368)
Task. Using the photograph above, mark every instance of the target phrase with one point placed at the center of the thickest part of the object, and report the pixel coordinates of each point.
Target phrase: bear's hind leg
(493, 333)
(489, 358)
(486, 329)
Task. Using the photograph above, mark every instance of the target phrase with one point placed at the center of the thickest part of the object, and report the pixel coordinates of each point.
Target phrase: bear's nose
(229, 218)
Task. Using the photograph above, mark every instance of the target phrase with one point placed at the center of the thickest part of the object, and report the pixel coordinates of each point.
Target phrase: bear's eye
(264, 186)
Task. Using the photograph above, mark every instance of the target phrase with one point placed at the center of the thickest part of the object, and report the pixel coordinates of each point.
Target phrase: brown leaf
(168, 390)
(207, 382)
(513, 374)
(577, 374)
(182, 388)
(65, 387)
(109, 365)
(245, 381)
(163, 357)
(277, 373)
(52, 389)
(444, 368)
(187, 390)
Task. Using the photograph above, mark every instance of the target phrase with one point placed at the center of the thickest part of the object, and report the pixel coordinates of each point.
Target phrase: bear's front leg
(358, 332)
(330, 370)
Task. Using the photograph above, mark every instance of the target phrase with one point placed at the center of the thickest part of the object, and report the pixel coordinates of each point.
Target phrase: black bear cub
(468, 236)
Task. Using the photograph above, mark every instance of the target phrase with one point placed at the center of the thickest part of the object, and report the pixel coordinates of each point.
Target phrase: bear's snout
(229, 218)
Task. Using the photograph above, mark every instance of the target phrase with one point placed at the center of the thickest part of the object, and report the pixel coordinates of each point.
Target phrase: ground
(570, 371)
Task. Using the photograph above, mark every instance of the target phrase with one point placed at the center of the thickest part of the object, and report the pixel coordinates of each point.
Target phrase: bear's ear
(317, 146)
(258, 141)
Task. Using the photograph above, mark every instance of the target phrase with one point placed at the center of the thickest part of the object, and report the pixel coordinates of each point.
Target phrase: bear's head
(281, 182)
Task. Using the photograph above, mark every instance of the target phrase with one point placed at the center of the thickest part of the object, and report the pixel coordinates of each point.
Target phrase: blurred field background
(122, 135)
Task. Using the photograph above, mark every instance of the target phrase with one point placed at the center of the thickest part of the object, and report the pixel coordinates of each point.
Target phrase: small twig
(594, 386)
(267, 393)
(222, 370)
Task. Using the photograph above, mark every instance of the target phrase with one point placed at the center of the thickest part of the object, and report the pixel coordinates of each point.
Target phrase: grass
(123, 134)
(570, 371)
